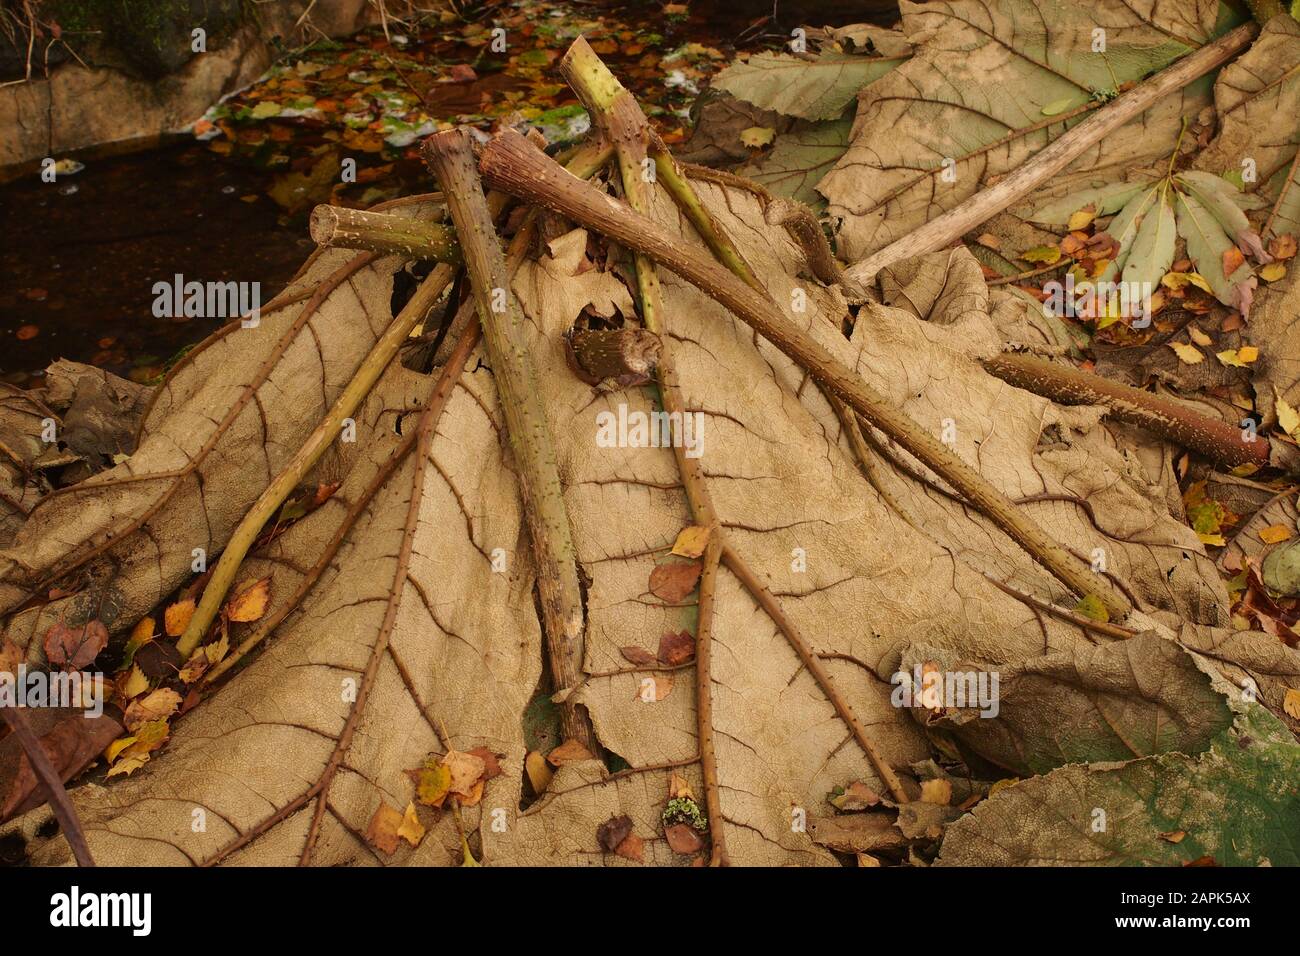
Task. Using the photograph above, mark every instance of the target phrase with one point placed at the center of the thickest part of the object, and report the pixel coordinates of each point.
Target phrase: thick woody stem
(344, 407)
(383, 232)
(451, 159)
(619, 118)
(1216, 440)
(625, 125)
(511, 164)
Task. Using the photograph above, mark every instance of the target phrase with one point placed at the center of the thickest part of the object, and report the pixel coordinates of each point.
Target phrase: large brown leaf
(291, 758)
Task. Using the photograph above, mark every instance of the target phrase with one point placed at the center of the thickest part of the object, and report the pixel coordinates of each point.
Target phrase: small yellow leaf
(1274, 533)
(1215, 539)
(1047, 255)
(128, 765)
(411, 830)
(116, 747)
(434, 784)
(1198, 280)
(1081, 218)
(142, 633)
(177, 617)
(1199, 337)
(250, 603)
(1187, 354)
(1272, 272)
(1233, 357)
(1291, 703)
(135, 684)
(539, 771)
(217, 650)
(1092, 607)
(757, 136)
(1287, 417)
(936, 791)
(691, 541)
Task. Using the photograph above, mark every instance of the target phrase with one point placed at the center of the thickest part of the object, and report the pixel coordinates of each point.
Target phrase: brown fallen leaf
(73, 647)
(632, 848)
(653, 689)
(466, 771)
(158, 705)
(679, 787)
(856, 796)
(383, 830)
(491, 762)
(671, 582)
(637, 655)
(1291, 703)
(1174, 836)
(250, 603)
(613, 832)
(70, 738)
(568, 752)
(11, 655)
(683, 838)
(676, 648)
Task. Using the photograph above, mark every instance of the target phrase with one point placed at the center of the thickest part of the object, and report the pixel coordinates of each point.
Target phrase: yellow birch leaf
(1274, 533)
(1187, 354)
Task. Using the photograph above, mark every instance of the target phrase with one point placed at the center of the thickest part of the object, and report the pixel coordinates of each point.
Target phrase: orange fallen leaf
(1274, 533)
(411, 830)
(177, 617)
(568, 752)
(382, 832)
(250, 603)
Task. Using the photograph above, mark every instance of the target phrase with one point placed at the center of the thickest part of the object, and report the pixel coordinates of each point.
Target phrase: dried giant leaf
(230, 416)
(389, 645)
(1257, 97)
(807, 88)
(1236, 802)
(1116, 701)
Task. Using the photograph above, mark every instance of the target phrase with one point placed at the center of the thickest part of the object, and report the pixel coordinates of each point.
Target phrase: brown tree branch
(451, 159)
(1215, 439)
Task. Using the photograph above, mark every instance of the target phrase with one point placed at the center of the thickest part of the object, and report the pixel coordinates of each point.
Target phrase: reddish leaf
(74, 647)
(613, 832)
(638, 655)
(72, 740)
(673, 581)
(676, 648)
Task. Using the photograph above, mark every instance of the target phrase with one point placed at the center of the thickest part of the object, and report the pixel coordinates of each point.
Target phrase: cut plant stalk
(617, 114)
(340, 227)
(451, 159)
(511, 164)
(948, 228)
(619, 118)
(325, 434)
(1217, 440)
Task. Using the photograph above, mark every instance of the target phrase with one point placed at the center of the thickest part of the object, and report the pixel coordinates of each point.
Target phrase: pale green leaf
(808, 89)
